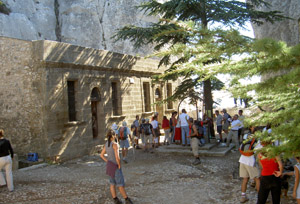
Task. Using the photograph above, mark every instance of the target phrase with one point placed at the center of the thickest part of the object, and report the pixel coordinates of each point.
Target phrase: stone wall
(40, 108)
(22, 95)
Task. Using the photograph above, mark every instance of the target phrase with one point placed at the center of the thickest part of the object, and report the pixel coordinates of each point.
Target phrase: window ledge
(74, 123)
(117, 116)
(147, 113)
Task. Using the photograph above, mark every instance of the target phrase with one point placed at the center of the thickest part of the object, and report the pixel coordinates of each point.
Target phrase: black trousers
(267, 184)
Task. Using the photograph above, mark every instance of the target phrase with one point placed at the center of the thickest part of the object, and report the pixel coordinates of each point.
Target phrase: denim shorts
(124, 143)
(118, 180)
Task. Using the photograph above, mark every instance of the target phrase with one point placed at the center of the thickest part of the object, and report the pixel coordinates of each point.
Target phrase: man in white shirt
(233, 133)
(183, 120)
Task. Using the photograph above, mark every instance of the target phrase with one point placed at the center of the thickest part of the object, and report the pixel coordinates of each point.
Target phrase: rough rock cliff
(287, 30)
(89, 23)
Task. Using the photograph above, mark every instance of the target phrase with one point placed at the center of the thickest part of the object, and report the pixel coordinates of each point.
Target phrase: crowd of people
(265, 173)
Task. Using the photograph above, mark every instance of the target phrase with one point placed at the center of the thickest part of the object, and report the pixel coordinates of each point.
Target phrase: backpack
(147, 129)
(141, 128)
(123, 133)
(246, 148)
(200, 130)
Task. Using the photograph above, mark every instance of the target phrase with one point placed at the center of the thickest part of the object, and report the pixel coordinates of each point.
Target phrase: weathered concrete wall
(35, 95)
(22, 95)
(287, 30)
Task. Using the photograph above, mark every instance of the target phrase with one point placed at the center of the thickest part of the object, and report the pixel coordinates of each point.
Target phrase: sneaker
(117, 201)
(128, 201)
(125, 160)
(196, 162)
(244, 199)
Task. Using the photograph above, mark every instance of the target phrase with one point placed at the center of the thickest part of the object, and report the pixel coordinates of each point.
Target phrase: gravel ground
(158, 178)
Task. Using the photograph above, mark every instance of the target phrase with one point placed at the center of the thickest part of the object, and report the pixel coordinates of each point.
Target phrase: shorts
(219, 129)
(124, 143)
(143, 138)
(248, 171)
(118, 180)
(225, 126)
(195, 146)
(148, 139)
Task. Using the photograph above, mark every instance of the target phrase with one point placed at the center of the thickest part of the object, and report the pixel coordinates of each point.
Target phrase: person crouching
(194, 141)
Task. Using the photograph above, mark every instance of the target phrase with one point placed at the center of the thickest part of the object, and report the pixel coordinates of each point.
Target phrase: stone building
(59, 99)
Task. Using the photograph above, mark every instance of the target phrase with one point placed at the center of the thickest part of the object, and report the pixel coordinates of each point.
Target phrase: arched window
(95, 95)
(157, 93)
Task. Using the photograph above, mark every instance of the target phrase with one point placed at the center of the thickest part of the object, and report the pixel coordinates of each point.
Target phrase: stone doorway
(95, 100)
(159, 107)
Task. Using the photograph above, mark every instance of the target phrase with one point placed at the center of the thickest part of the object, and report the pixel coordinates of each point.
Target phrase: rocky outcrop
(287, 30)
(88, 23)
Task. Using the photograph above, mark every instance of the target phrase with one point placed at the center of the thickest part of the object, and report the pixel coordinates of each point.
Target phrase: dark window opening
(71, 101)
(115, 99)
(146, 89)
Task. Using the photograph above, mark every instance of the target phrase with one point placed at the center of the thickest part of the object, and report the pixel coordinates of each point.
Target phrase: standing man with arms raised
(233, 133)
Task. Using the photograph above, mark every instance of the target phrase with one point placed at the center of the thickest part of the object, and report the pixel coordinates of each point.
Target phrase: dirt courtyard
(159, 178)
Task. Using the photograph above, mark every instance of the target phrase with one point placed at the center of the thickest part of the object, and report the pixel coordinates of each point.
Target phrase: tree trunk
(208, 101)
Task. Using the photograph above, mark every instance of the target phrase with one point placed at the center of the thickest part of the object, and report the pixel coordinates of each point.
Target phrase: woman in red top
(166, 127)
(270, 178)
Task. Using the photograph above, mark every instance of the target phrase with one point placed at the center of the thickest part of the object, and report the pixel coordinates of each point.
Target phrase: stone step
(207, 150)
(204, 147)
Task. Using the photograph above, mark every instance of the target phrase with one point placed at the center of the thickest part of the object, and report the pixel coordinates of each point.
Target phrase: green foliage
(278, 94)
(183, 33)
(4, 9)
(232, 13)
